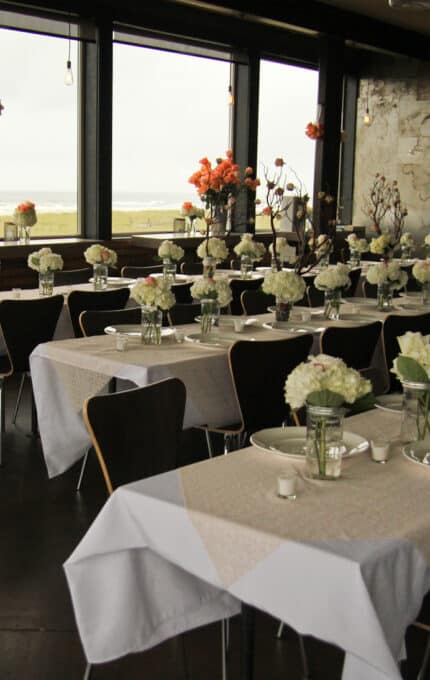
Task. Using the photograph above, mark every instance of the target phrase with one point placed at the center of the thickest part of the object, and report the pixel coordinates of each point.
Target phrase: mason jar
(46, 283)
(332, 298)
(210, 311)
(385, 297)
(415, 429)
(324, 442)
(282, 310)
(152, 318)
(100, 276)
(169, 270)
(246, 265)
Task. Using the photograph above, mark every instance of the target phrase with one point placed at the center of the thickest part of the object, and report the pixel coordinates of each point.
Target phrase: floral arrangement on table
(213, 294)
(333, 282)
(285, 252)
(212, 251)
(249, 248)
(190, 210)
(98, 254)
(25, 214)
(383, 245)
(388, 276)
(384, 198)
(325, 384)
(421, 272)
(427, 240)
(407, 240)
(315, 130)
(170, 251)
(154, 294)
(287, 287)
(44, 261)
(323, 246)
(360, 245)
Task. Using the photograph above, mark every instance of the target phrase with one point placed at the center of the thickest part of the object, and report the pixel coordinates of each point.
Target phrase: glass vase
(416, 417)
(210, 311)
(246, 265)
(283, 310)
(324, 445)
(46, 283)
(354, 258)
(151, 325)
(24, 234)
(324, 261)
(332, 300)
(406, 252)
(190, 225)
(385, 297)
(100, 276)
(426, 293)
(209, 264)
(169, 270)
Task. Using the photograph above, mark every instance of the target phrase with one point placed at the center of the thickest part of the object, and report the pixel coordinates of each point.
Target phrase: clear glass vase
(152, 318)
(24, 234)
(210, 311)
(246, 265)
(324, 442)
(385, 297)
(416, 417)
(169, 270)
(209, 265)
(283, 310)
(426, 293)
(324, 261)
(354, 258)
(100, 276)
(332, 300)
(46, 283)
(406, 252)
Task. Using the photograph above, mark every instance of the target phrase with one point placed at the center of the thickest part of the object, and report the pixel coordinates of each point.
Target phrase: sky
(169, 110)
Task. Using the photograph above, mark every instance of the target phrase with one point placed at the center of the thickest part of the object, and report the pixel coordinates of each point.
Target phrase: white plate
(393, 403)
(413, 306)
(290, 442)
(179, 278)
(215, 340)
(135, 330)
(412, 452)
(293, 326)
(228, 320)
(117, 281)
(357, 318)
(361, 301)
(411, 293)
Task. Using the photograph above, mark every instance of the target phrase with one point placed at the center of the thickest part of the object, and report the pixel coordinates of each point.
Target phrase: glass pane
(169, 111)
(288, 102)
(38, 131)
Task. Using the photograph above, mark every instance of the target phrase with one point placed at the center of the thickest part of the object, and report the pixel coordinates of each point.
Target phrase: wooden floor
(41, 521)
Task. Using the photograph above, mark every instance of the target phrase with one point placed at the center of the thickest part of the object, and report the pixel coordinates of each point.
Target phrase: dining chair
(260, 392)
(94, 321)
(370, 290)
(183, 313)
(354, 277)
(238, 286)
(69, 277)
(131, 272)
(24, 325)
(181, 291)
(315, 296)
(82, 300)
(256, 302)
(192, 268)
(394, 326)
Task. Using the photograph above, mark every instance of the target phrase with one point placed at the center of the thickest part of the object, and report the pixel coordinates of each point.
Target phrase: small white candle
(287, 485)
(238, 325)
(379, 450)
(306, 315)
(121, 342)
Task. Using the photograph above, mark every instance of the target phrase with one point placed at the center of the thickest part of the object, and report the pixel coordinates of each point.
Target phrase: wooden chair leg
(423, 670)
(88, 672)
(18, 399)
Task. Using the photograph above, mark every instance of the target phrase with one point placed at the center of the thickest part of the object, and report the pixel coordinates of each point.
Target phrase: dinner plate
(411, 294)
(135, 330)
(293, 326)
(413, 306)
(393, 403)
(417, 453)
(357, 318)
(179, 278)
(117, 281)
(216, 340)
(290, 442)
(361, 301)
(228, 320)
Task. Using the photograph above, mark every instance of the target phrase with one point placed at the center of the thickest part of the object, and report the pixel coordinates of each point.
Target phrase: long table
(347, 562)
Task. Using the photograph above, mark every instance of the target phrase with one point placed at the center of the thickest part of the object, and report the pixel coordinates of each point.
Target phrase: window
(38, 131)
(288, 101)
(169, 111)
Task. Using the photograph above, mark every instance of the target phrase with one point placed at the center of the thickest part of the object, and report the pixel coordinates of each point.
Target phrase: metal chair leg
(422, 672)
(209, 444)
(2, 428)
(34, 423)
(304, 658)
(18, 399)
(88, 672)
(224, 647)
(83, 466)
(280, 630)
(247, 643)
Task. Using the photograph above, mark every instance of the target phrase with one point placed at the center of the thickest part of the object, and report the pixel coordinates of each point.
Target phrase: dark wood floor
(41, 521)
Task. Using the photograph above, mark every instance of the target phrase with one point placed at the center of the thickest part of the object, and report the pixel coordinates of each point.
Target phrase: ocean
(66, 201)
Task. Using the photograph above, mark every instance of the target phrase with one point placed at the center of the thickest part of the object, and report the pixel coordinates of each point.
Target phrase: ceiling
(415, 20)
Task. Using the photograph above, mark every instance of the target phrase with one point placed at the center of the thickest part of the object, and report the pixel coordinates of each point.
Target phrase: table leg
(247, 642)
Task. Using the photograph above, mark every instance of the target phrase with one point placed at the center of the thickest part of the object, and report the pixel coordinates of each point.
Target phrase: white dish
(413, 453)
(135, 330)
(117, 281)
(361, 301)
(290, 442)
(179, 278)
(413, 306)
(356, 318)
(227, 320)
(215, 340)
(293, 326)
(411, 294)
(393, 403)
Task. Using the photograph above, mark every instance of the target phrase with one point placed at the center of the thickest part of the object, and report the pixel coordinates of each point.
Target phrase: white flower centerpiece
(407, 244)
(212, 251)
(287, 287)
(46, 263)
(213, 294)
(427, 244)
(412, 366)
(285, 252)
(154, 295)
(326, 385)
(332, 282)
(101, 258)
(170, 253)
(388, 276)
(384, 246)
(357, 246)
(191, 212)
(25, 217)
(249, 252)
(421, 272)
(323, 249)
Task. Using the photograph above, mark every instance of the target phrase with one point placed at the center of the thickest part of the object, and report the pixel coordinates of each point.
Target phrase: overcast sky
(169, 111)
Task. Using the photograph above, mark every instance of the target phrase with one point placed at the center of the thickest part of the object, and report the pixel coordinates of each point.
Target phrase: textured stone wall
(397, 143)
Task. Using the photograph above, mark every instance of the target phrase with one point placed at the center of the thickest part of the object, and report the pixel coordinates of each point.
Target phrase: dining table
(347, 561)
(65, 373)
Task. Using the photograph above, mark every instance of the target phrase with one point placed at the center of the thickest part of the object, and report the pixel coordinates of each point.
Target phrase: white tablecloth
(347, 562)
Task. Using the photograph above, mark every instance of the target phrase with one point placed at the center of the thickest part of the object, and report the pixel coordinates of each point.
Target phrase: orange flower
(187, 205)
(229, 153)
(315, 130)
(279, 162)
(249, 170)
(267, 210)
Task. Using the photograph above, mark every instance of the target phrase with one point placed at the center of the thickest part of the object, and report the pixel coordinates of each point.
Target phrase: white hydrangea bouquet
(407, 240)
(247, 247)
(383, 245)
(213, 247)
(98, 254)
(325, 384)
(154, 294)
(427, 240)
(44, 261)
(287, 287)
(421, 271)
(388, 276)
(170, 251)
(213, 294)
(286, 252)
(359, 244)
(332, 282)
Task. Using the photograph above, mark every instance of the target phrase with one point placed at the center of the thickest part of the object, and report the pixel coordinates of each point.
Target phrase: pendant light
(68, 76)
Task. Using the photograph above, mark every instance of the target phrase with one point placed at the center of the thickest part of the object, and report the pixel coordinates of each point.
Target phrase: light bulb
(367, 119)
(230, 96)
(68, 77)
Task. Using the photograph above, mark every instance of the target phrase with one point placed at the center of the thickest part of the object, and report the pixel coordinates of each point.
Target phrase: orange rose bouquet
(315, 130)
(25, 214)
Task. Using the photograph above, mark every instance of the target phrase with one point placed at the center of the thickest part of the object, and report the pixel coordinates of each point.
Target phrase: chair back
(182, 293)
(394, 326)
(237, 287)
(256, 302)
(130, 272)
(82, 300)
(354, 276)
(26, 324)
(183, 313)
(370, 290)
(315, 296)
(259, 370)
(192, 268)
(69, 277)
(354, 344)
(137, 433)
(94, 321)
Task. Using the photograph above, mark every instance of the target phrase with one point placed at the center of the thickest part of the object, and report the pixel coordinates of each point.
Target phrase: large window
(288, 101)
(169, 111)
(38, 131)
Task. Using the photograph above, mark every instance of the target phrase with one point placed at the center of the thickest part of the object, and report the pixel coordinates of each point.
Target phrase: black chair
(130, 272)
(94, 321)
(182, 293)
(394, 326)
(237, 287)
(315, 296)
(354, 275)
(69, 277)
(80, 301)
(370, 290)
(192, 268)
(183, 313)
(25, 324)
(256, 302)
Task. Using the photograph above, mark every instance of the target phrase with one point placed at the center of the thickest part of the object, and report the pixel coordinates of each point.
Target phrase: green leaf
(324, 398)
(411, 370)
(365, 403)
